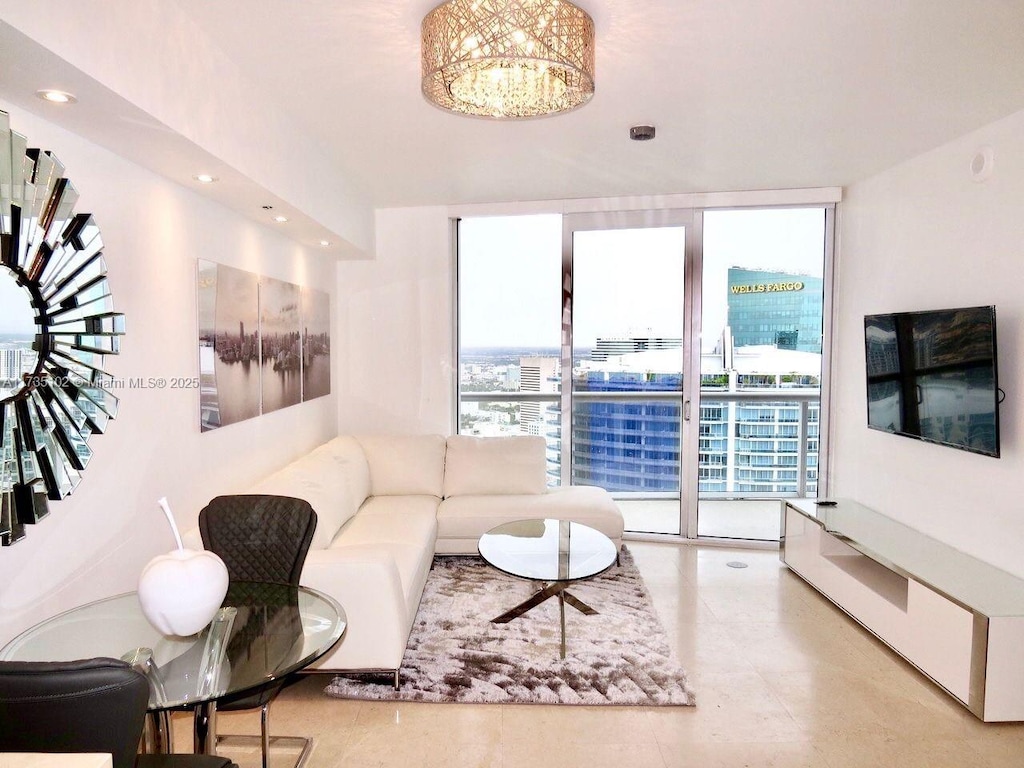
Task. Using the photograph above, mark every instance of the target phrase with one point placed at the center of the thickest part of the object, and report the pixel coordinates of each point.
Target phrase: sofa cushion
(513, 464)
(404, 464)
(411, 559)
(333, 478)
(413, 564)
(392, 520)
(366, 581)
(470, 517)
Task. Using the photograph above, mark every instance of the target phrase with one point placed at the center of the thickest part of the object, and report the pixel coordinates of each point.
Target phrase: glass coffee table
(263, 632)
(554, 552)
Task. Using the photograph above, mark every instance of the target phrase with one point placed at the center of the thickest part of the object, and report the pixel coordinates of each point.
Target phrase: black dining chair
(90, 705)
(261, 539)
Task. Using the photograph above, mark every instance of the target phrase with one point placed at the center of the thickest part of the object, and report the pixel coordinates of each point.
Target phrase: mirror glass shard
(57, 321)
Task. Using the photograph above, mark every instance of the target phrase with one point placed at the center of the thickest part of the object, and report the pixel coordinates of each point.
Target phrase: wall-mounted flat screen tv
(933, 375)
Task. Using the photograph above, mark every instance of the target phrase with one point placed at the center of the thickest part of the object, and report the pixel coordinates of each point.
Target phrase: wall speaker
(981, 164)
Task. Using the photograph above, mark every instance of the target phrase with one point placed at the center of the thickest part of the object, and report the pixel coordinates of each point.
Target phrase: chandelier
(508, 58)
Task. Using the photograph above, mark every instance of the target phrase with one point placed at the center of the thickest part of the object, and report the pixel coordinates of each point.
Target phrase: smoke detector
(641, 132)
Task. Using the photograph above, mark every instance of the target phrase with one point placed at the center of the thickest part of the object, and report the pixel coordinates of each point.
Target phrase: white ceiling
(745, 94)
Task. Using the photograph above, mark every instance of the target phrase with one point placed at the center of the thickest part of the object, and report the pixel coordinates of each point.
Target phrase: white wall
(924, 235)
(95, 542)
(135, 50)
(395, 328)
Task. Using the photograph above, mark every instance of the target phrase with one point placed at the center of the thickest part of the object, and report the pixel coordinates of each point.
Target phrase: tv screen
(933, 375)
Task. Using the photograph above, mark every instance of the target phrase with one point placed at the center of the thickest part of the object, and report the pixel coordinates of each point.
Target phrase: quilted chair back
(259, 538)
(93, 705)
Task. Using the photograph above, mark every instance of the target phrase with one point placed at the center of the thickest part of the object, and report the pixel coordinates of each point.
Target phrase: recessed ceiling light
(325, 243)
(205, 178)
(56, 97)
(280, 219)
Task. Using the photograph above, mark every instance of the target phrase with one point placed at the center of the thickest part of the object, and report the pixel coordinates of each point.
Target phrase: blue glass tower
(628, 446)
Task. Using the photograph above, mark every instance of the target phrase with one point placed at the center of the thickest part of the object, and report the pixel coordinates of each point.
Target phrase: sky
(628, 282)
(315, 310)
(279, 306)
(16, 315)
(509, 276)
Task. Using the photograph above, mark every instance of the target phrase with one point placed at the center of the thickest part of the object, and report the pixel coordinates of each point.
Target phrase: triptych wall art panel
(279, 344)
(264, 344)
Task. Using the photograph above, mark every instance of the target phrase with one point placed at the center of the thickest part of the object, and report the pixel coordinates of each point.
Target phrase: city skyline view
(757, 422)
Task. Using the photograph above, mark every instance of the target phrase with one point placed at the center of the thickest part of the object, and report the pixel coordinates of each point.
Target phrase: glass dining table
(262, 633)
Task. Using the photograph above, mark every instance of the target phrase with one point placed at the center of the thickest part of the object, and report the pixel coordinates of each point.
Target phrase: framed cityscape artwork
(264, 344)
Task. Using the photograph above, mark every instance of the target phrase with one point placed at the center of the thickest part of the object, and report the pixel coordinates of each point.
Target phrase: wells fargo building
(777, 309)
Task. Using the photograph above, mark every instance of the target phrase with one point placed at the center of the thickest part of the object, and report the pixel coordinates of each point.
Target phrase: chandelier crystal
(508, 58)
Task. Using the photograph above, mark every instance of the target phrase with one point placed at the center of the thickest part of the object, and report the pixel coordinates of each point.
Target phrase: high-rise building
(10, 363)
(776, 309)
(627, 446)
(612, 347)
(16, 359)
(536, 374)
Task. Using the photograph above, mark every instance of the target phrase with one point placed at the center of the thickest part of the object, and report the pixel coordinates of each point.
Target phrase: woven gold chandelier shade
(508, 58)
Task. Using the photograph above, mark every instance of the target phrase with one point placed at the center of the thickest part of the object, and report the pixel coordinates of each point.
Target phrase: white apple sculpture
(180, 592)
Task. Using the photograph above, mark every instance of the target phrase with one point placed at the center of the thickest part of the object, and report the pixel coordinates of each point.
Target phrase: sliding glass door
(673, 357)
(762, 330)
(628, 344)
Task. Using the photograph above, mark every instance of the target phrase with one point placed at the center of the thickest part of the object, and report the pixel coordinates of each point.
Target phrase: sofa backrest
(513, 464)
(334, 478)
(402, 465)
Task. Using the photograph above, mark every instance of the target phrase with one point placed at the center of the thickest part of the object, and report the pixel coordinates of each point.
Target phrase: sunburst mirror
(57, 321)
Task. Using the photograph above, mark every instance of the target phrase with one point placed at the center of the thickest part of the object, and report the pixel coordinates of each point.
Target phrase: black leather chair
(92, 705)
(261, 539)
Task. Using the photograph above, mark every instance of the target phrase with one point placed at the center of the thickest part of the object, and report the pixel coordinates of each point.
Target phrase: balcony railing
(628, 449)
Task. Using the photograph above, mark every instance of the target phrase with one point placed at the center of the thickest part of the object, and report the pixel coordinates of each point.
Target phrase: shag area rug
(620, 656)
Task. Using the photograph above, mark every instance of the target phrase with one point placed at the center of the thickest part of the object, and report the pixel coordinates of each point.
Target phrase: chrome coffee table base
(555, 589)
(551, 552)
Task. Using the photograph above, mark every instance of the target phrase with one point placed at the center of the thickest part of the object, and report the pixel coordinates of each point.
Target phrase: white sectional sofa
(387, 504)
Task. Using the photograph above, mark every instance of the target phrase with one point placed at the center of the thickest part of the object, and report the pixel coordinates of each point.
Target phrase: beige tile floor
(783, 679)
(756, 519)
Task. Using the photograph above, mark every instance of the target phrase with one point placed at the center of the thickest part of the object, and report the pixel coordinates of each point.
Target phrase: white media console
(957, 619)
